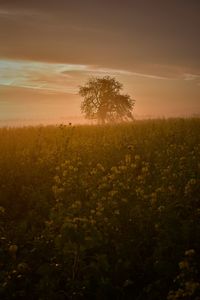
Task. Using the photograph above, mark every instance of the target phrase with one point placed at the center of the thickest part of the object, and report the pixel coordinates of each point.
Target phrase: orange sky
(49, 48)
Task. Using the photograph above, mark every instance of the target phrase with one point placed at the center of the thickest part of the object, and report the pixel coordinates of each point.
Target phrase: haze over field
(49, 48)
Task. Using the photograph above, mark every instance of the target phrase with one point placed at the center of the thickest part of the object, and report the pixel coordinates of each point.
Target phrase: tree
(103, 101)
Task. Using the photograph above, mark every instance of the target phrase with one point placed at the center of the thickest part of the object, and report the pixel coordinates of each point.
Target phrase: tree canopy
(104, 102)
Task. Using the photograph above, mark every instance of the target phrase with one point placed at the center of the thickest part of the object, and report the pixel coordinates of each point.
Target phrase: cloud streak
(65, 78)
(53, 77)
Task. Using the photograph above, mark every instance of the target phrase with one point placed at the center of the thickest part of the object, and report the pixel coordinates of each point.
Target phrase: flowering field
(101, 212)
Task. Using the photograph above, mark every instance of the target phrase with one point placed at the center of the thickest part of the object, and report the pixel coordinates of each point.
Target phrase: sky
(49, 48)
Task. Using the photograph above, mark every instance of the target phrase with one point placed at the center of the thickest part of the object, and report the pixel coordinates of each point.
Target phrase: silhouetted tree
(103, 101)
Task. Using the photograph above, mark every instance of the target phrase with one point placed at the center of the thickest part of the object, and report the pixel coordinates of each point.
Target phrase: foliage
(103, 101)
(100, 212)
(188, 280)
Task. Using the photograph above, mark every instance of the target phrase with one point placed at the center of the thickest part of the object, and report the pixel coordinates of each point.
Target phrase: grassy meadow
(101, 212)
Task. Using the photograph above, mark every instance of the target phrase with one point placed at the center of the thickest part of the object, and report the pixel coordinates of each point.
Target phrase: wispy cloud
(98, 71)
(61, 78)
(37, 75)
(13, 13)
(187, 76)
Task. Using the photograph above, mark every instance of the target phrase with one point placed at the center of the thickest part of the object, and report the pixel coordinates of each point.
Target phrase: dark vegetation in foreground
(108, 212)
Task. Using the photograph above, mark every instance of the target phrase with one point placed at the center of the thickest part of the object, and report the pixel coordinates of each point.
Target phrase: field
(101, 212)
